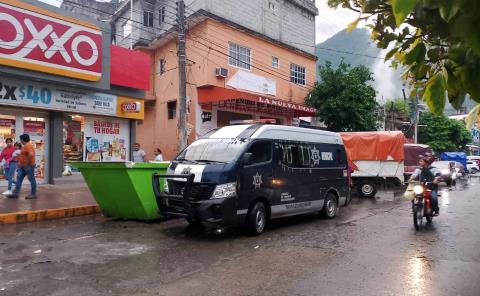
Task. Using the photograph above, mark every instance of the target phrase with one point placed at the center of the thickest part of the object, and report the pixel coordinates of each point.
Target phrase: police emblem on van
(257, 180)
(315, 156)
(186, 171)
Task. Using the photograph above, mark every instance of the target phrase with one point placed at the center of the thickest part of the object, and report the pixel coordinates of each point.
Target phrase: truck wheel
(449, 183)
(330, 207)
(367, 189)
(473, 171)
(256, 218)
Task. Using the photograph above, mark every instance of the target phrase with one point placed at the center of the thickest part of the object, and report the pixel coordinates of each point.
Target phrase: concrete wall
(289, 21)
(159, 131)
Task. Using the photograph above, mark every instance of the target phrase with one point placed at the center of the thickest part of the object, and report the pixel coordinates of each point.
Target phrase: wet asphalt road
(371, 248)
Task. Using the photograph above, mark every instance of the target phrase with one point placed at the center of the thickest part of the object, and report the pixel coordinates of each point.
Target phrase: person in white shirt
(158, 155)
(138, 153)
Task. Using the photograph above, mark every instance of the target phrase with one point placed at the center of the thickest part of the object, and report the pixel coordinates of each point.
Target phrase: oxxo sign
(37, 39)
(131, 107)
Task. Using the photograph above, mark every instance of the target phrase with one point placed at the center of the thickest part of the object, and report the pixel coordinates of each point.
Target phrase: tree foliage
(344, 99)
(437, 41)
(443, 134)
(399, 106)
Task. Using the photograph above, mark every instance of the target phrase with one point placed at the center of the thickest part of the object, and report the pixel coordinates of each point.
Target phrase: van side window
(305, 157)
(295, 155)
(261, 151)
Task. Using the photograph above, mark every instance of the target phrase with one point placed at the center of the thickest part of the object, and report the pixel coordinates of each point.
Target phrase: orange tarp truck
(376, 158)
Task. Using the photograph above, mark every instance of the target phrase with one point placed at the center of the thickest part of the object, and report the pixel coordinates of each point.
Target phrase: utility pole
(182, 84)
(415, 122)
(131, 24)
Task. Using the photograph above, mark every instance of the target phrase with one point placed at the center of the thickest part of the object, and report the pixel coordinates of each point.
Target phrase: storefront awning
(243, 101)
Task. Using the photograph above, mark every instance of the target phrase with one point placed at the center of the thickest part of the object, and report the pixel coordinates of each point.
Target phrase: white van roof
(279, 132)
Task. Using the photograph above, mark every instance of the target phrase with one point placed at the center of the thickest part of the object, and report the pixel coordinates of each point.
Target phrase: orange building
(233, 73)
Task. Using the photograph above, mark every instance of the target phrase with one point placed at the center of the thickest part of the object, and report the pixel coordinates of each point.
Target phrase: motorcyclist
(425, 173)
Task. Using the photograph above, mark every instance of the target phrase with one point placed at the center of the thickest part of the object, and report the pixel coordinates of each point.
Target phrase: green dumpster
(123, 189)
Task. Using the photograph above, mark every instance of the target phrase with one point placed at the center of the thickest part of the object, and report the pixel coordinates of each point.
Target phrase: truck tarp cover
(374, 145)
(461, 157)
(413, 151)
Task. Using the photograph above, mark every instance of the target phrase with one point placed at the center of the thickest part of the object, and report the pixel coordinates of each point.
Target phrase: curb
(48, 214)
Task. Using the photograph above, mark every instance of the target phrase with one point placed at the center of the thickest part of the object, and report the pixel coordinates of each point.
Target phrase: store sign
(34, 95)
(37, 39)
(106, 139)
(34, 128)
(287, 105)
(206, 116)
(131, 107)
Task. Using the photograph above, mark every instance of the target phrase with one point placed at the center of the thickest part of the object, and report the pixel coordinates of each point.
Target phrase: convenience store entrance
(13, 123)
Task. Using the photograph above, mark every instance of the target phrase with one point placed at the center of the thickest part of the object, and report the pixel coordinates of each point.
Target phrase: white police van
(248, 174)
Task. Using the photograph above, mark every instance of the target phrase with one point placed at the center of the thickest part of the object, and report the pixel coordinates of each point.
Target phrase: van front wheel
(330, 207)
(257, 218)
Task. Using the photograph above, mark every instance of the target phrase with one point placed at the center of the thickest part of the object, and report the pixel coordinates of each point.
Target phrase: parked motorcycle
(421, 204)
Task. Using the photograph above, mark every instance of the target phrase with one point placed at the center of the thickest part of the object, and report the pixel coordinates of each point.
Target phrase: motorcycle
(421, 204)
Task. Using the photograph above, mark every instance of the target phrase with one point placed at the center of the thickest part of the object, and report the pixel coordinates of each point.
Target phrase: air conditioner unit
(221, 72)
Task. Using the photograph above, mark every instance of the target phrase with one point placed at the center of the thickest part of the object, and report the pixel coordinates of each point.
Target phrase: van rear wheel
(330, 208)
(256, 218)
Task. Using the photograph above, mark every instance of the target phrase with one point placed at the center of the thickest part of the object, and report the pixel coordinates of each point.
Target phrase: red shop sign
(38, 39)
(33, 126)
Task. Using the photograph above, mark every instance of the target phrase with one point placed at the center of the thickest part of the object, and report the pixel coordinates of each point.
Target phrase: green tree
(397, 112)
(437, 41)
(344, 98)
(442, 133)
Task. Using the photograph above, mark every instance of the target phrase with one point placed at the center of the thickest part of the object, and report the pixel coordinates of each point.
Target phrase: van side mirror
(247, 158)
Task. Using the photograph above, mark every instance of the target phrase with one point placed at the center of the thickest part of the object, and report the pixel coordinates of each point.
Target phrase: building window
(172, 109)
(127, 28)
(147, 18)
(162, 66)
(161, 15)
(275, 63)
(239, 56)
(297, 74)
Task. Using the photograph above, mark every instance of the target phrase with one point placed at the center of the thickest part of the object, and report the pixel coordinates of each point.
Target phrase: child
(13, 167)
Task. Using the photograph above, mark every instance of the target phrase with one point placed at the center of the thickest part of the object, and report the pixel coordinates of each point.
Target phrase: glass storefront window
(13, 123)
(73, 129)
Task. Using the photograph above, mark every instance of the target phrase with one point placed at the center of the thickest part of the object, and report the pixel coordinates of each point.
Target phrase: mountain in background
(356, 48)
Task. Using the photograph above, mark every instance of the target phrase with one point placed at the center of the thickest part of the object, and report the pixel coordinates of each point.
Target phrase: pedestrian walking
(138, 153)
(158, 155)
(9, 168)
(26, 168)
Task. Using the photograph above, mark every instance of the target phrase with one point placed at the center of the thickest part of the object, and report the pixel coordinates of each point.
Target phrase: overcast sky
(328, 22)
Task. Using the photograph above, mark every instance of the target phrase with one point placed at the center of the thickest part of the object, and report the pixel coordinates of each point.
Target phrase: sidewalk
(69, 197)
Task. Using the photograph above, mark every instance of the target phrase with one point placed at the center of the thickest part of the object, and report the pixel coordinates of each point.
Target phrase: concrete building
(99, 10)
(291, 22)
(245, 60)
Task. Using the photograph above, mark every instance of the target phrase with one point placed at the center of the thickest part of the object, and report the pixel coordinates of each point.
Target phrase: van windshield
(213, 150)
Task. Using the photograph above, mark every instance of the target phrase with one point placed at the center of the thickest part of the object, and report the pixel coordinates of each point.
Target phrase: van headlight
(225, 190)
(165, 186)
(445, 172)
(417, 189)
